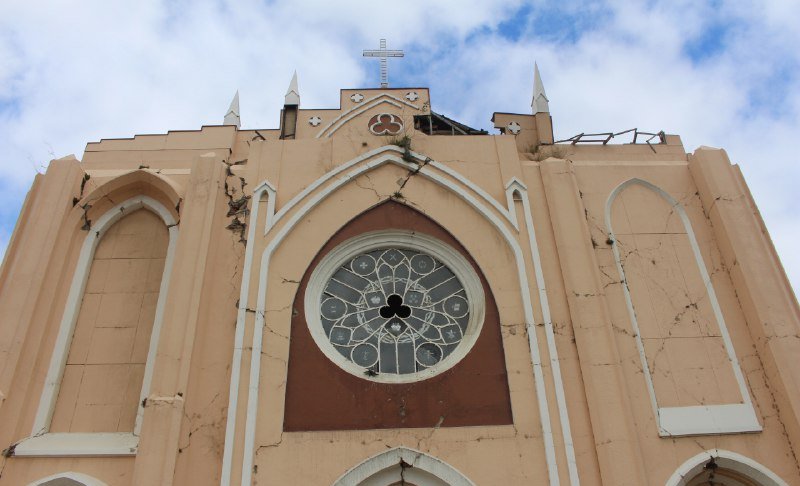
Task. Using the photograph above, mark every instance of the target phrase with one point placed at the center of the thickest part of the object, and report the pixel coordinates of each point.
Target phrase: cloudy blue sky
(724, 74)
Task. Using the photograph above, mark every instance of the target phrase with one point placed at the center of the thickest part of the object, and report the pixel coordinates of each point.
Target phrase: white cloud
(114, 69)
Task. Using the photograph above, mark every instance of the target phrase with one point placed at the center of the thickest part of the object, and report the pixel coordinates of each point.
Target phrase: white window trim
(688, 420)
(44, 443)
(405, 240)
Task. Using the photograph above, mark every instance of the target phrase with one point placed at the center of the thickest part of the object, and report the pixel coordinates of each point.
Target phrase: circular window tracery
(394, 306)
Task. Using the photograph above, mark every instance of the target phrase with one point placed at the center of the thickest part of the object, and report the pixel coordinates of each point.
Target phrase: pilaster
(164, 409)
(615, 437)
(764, 293)
(27, 277)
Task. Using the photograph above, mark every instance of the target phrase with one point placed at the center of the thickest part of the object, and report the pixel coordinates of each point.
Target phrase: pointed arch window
(102, 378)
(102, 362)
(694, 380)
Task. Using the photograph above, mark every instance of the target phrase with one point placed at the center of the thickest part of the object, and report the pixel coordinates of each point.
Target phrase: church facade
(377, 294)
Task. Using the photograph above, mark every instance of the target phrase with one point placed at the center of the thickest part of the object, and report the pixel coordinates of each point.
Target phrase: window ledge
(709, 419)
(79, 444)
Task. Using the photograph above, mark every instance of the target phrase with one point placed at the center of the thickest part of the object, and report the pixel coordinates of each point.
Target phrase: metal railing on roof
(606, 137)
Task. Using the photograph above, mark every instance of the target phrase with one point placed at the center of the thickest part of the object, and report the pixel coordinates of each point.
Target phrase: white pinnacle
(293, 93)
(539, 103)
(232, 117)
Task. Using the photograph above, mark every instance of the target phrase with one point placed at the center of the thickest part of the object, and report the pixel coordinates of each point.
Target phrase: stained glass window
(394, 306)
(394, 311)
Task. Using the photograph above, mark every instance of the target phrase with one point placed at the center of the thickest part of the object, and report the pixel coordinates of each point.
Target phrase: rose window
(393, 312)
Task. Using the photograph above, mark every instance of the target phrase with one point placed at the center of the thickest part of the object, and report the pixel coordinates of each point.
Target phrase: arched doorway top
(402, 458)
(68, 478)
(728, 460)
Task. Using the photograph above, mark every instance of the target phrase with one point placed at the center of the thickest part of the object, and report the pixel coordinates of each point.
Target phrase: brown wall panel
(322, 396)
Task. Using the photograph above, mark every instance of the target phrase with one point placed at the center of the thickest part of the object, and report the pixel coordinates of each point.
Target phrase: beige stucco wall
(596, 381)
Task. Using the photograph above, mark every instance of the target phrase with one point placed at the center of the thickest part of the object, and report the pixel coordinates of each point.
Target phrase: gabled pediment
(382, 103)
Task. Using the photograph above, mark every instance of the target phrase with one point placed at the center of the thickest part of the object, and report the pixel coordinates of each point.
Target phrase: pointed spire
(539, 103)
(293, 93)
(232, 117)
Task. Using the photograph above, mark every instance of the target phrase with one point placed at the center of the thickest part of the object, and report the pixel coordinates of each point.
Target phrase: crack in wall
(513, 328)
(212, 430)
(238, 201)
(408, 157)
(371, 186)
(775, 405)
(77, 199)
(270, 330)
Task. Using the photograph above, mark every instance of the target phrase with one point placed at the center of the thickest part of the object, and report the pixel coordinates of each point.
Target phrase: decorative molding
(402, 239)
(463, 180)
(398, 151)
(688, 420)
(431, 172)
(353, 112)
(385, 124)
(515, 186)
(728, 460)
(390, 461)
(82, 478)
(265, 188)
(357, 97)
(55, 371)
(513, 127)
(314, 121)
(119, 172)
(412, 96)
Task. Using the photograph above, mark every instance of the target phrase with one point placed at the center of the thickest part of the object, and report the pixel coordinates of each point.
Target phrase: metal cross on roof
(383, 53)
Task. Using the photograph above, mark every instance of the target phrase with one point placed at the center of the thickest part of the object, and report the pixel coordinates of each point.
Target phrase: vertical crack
(238, 201)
